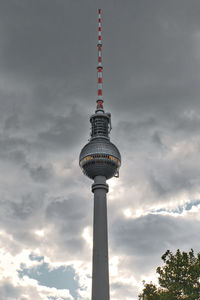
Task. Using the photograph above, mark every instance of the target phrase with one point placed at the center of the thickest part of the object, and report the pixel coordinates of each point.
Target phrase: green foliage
(150, 292)
(179, 278)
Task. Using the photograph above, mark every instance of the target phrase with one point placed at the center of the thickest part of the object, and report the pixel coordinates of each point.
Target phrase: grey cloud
(12, 122)
(9, 144)
(21, 217)
(175, 181)
(174, 176)
(9, 291)
(71, 208)
(157, 139)
(69, 216)
(124, 290)
(42, 42)
(63, 132)
(16, 151)
(63, 221)
(40, 173)
(145, 239)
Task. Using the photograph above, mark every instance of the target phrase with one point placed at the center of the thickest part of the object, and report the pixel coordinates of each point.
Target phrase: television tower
(100, 160)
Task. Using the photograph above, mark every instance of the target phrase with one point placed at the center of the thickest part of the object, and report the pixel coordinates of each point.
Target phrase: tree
(179, 278)
(149, 292)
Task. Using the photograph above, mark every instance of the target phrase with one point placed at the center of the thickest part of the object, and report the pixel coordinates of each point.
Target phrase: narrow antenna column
(99, 66)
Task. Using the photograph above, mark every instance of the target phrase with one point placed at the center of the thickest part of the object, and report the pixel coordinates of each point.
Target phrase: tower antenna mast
(99, 66)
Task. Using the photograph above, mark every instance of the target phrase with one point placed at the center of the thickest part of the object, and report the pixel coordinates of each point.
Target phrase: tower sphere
(100, 157)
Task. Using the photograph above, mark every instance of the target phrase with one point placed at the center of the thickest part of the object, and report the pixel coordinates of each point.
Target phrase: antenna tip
(99, 11)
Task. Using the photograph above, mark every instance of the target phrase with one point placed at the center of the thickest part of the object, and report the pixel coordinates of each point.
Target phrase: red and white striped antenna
(99, 67)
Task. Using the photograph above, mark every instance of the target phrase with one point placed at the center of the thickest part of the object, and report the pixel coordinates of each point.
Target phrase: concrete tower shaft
(100, 269)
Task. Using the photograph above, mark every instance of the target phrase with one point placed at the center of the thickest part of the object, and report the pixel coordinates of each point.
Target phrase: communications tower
(100, 160)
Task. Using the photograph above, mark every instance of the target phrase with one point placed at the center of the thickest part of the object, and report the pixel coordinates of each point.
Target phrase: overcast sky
(48, 58)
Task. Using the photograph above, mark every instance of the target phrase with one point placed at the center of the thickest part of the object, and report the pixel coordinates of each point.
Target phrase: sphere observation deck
(100, 157)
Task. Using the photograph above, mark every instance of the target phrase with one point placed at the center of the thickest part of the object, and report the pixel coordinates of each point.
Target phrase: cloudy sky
(48, 57)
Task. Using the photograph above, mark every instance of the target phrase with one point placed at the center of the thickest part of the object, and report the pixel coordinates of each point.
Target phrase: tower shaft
(100, 272)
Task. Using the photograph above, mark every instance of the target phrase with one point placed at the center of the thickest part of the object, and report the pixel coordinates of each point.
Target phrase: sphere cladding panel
(103, 166)
(99, 146)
